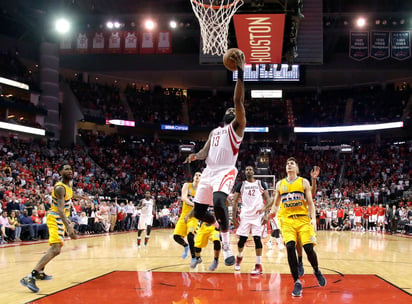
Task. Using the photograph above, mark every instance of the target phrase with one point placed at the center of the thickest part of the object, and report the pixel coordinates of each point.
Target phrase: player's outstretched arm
(314, 173)
(309, 200)
(239, 123)
(202, 154)
(235, 200)
(184, 195)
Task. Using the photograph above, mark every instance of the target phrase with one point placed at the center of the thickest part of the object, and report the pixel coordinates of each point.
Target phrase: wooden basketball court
(359, 267)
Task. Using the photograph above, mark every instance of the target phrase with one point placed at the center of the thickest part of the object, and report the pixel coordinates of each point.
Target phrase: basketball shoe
(213, 266)
(237, 264)
(321, 279)
(297, 289)
(228, 255)
(42, 276)
(30, 283)
(257, 270)
(194, 262)
(185, 252)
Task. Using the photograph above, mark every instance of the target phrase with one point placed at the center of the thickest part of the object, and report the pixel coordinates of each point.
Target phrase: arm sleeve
(237, 187)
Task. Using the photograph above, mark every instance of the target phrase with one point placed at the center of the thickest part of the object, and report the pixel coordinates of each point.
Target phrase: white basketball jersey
(251, 196)
(147, 208)
(224, 147)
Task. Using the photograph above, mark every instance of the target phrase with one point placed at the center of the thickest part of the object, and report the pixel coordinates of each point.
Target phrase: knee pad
(198, 249)
(291, 246)
(242, 241)
(308, 248)
(216, 245)
(201, 213)
(275, 233)
(258, 242)
(199, 210)
(177, 237)
(191, 237)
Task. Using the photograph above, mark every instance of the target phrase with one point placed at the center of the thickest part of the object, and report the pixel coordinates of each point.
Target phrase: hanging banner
(164, 42)
(260, 37)
(147, 43)
(82, 43)
(401, 45)
(98, 43)
(66, 45)
(115, 45)
(359, 45)
(130, 43)
(380, 45)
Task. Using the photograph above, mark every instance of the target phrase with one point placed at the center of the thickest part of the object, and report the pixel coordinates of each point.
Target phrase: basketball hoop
(214, 17)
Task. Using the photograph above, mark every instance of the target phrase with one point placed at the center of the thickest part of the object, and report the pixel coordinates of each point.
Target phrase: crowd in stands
(159, 106)
(104, 99)
(115, 166)
(125, 167)
(13, 68)
(366, 104)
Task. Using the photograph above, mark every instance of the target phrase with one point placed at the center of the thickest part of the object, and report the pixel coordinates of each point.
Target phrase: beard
(227, 118)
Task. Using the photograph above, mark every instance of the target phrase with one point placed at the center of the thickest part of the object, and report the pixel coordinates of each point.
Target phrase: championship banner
(401, 45)
(115, 43)
(98, 43)
(380, 45)
(164, 42)
(82, 43)
(147, 43)
(260, 37)
(130, 43)
(66, 45)
(359, 45)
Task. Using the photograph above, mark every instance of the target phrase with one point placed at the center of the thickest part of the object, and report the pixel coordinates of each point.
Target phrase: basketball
(229, 63)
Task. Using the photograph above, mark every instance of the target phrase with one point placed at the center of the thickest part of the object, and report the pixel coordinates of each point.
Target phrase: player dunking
(147, 205)
(188, 229)
(220, 152)
(252, 193)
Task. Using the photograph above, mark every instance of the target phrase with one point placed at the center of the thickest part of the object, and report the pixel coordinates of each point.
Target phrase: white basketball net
(214, 17)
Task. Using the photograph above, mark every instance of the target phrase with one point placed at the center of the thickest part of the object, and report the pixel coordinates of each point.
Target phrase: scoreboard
(271, 72)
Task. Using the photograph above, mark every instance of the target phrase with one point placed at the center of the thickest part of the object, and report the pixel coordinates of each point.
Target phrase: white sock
(240, 254)
(258, 259)
(225, 237)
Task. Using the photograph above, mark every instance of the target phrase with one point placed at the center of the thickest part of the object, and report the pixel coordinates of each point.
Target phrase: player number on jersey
(215, 141)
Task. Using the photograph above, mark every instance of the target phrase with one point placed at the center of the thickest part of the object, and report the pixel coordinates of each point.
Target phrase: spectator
(165, 215)
(27, 224)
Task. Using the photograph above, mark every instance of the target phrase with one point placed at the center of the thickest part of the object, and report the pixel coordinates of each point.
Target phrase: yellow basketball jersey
(190, 194)
(54, 210)
(292, 196)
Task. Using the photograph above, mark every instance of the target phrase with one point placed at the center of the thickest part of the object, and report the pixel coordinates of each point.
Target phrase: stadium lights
(173, 24)
(14, 83)
(62, 26)
(149, 24)
(367, 127)
(114, 24)
(23, 129)
(361, 22)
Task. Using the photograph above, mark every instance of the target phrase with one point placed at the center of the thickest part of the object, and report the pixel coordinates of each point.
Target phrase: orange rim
(215, 7)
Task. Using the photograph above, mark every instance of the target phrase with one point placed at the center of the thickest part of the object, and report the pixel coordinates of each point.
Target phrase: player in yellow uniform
(298, 221)
(57, 223)
(188, 229)
(206, 232)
